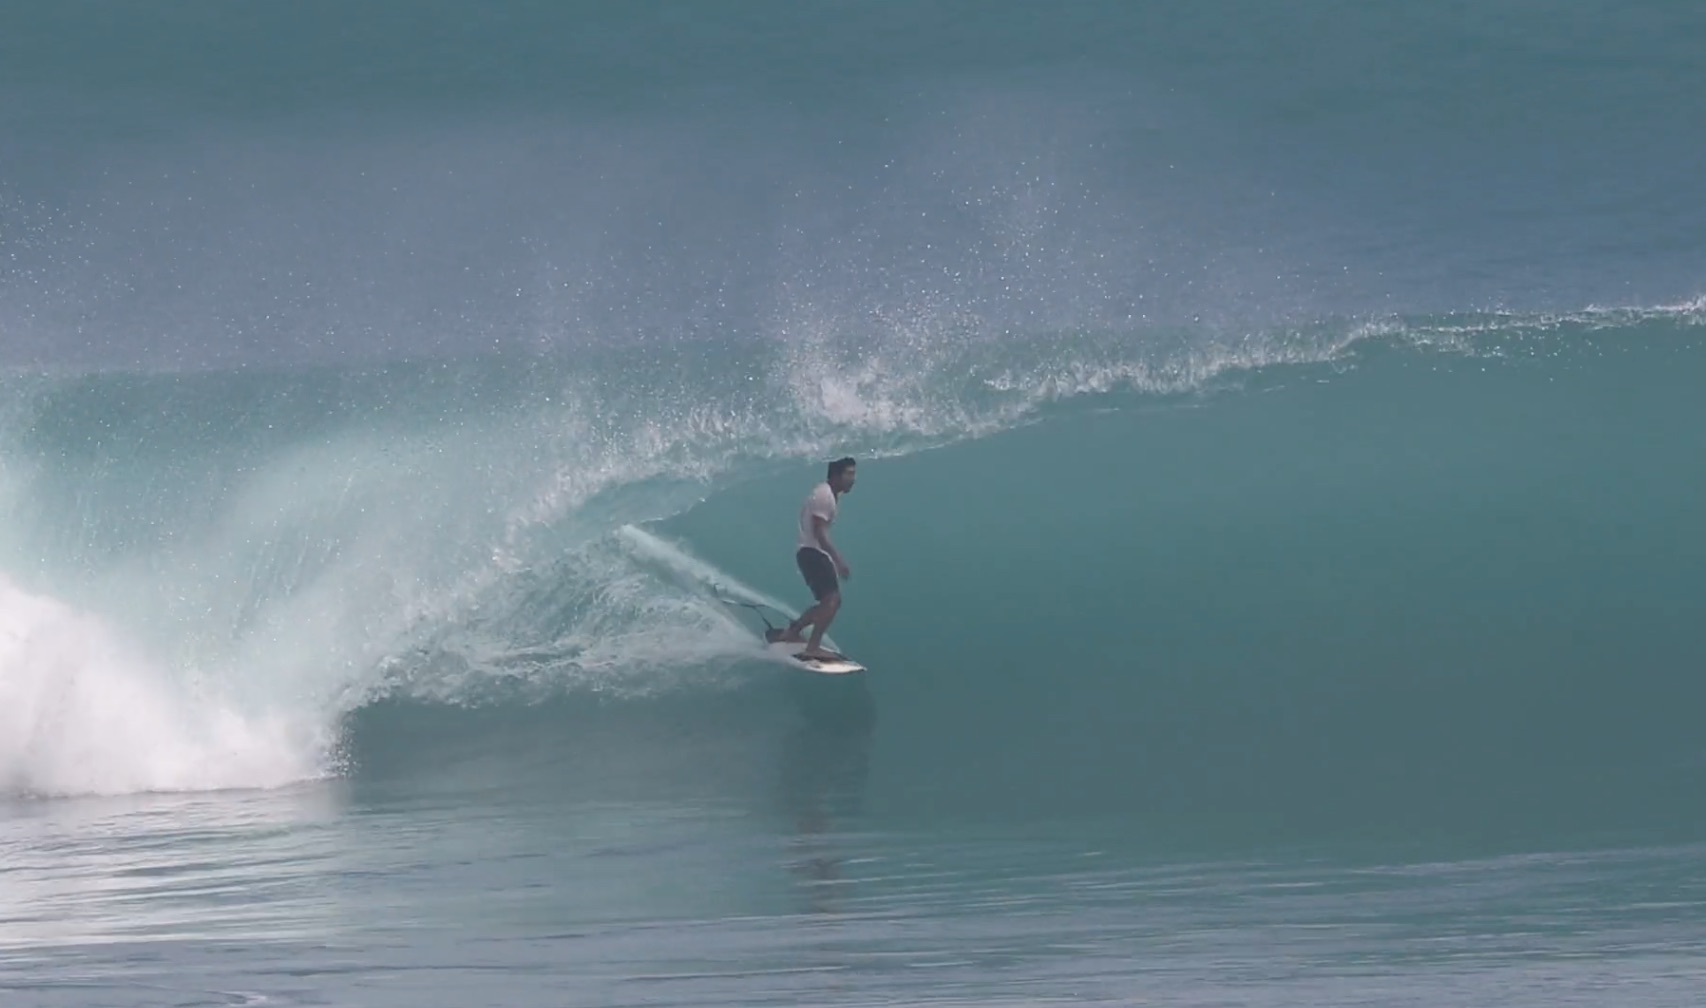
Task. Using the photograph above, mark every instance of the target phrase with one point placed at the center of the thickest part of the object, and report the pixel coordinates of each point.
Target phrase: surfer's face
(844, 481)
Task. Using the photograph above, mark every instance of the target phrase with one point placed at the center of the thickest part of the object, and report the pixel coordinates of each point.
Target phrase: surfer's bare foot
(818, 653)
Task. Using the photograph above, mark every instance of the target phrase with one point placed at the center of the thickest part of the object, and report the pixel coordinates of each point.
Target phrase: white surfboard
(789, 651)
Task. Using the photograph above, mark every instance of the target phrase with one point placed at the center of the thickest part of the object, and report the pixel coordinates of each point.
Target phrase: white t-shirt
(820, 503)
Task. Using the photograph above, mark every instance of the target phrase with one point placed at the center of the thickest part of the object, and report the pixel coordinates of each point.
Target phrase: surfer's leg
(826, 610)
(796, 630)
(819, 574)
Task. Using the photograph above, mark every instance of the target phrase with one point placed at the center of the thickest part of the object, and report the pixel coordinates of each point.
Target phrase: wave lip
(81, 714)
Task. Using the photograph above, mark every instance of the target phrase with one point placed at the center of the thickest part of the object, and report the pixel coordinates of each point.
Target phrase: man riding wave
(820, 563)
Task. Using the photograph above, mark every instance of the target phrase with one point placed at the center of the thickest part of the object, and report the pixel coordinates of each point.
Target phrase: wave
(207, 573)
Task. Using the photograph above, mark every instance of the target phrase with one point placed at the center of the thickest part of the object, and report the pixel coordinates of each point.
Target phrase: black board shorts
(819, 572)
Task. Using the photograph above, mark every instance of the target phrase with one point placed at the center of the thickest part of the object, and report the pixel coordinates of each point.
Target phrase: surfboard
(789, 651)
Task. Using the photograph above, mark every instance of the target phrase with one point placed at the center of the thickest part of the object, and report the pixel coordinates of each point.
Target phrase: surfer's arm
(820, 528)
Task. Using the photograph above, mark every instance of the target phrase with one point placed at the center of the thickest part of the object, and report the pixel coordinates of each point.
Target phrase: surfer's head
(841, 475)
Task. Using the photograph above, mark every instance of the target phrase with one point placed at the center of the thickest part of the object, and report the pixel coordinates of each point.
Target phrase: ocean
(1276, 550)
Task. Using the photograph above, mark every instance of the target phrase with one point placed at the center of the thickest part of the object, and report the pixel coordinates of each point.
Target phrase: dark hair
(840, 465)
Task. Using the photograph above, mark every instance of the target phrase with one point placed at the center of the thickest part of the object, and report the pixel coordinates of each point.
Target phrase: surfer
(820, 562)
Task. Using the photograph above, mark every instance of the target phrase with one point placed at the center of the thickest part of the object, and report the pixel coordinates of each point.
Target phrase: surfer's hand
(842, 569)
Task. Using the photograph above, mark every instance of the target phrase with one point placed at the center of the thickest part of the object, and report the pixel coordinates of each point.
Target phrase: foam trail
(694, 573)
(628, 614)
(82, 713)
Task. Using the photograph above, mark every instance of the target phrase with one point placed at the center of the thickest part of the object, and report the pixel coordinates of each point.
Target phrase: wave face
(1244, 425)
(1445, 591)
(1380, 565)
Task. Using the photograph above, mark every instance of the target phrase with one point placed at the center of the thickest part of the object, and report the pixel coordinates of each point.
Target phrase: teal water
(1275, 546)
